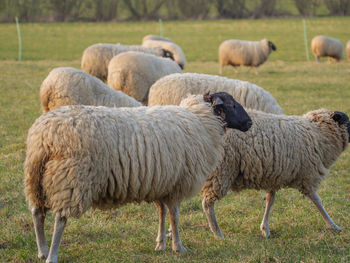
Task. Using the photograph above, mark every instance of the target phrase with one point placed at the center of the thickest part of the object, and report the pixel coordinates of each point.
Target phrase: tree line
(111, 10)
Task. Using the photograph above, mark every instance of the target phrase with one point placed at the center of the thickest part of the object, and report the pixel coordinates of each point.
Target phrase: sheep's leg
(208, 209)
(60, 223)
(235, 69)
(38, 220)
(264, 227)
(174, 220)
(161, 238)
(256, 71)
(317, 201)
(220, 70)
(317, 59)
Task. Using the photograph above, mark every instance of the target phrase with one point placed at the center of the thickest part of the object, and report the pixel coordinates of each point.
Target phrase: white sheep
(173, 88)
(348, 50)
(134, 73)
(70, 86)
(323, 46)
(176, 50)
(96, 58)
(236, 52)
(155, 37)
(82, 156)
(277, 152)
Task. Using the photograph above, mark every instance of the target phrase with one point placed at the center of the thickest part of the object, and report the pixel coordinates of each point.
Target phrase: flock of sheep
(158, 135)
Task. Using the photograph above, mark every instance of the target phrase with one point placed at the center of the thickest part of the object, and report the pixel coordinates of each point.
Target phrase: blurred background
(120, 10)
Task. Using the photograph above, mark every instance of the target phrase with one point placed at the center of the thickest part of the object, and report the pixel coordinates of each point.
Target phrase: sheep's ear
(207, 97)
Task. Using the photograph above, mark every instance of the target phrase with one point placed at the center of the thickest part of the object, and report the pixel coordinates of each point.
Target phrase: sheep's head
(272, 45)
(342, 119)
(230, 111)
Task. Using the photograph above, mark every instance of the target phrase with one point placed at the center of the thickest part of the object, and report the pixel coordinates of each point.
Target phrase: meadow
(128, 234)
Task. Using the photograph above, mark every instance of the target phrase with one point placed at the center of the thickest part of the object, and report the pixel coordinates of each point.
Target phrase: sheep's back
(173, 88)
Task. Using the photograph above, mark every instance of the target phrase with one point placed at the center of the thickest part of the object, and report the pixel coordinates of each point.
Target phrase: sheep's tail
(34, 168)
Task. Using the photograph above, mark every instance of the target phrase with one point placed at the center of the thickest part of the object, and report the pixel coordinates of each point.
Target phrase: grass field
(128, 234)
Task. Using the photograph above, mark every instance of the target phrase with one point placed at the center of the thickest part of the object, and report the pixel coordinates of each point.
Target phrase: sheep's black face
(272, 46)
(341, 118)
(168, 54)
(230, 111)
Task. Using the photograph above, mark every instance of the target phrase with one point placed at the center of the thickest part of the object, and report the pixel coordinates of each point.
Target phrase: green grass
(128, 234)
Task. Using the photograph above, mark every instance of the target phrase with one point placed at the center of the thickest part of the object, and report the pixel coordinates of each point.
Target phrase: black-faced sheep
(278, 151)
(96, 58)
(236, 52)
(83, 156)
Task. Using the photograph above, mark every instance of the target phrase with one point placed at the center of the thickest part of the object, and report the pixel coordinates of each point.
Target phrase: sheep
(173, 88)
(348, 50)
(176, 50)
(134, 73)
(277, 152)
(236, 52)
(323, 46)
(70, 86)
(95, 58)
(155, 37)
(81, 156)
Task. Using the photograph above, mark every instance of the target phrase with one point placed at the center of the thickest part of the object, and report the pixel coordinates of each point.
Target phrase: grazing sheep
(83, 156)
(96, 58)
(323, 46)
(70, 86)
(155, 37)
(348, 50)
(277, 152)
(134, 73)
(176, 50)
(247, 53)
(173, 88)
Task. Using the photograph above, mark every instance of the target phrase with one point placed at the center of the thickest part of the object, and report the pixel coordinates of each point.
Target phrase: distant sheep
(155, 37)
(348, 50)
(244, 53)
(70, 86)
(134, 73)
(83, 156)
(173, 88)
(277, 152)
(323, 46)
(176, 50)
(96, 58)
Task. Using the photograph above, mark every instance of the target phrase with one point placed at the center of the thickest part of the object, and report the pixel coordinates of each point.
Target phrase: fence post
(19, 40)
(305, 41)
(160, 27)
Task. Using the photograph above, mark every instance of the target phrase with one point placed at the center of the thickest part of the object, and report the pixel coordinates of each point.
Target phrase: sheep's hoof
(160, 247)
(43, 254)
(218, 235)
(179, 249)
(335, 228)
(265, 232)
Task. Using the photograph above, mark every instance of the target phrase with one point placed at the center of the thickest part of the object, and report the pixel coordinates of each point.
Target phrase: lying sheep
(96, 58)
(83, 156)
(155, 37)
(348, 50)
(70, 86)
(173, 88)
(323, 46)
(277, 152)
(176, 50)
(134, 73)
(246, 53)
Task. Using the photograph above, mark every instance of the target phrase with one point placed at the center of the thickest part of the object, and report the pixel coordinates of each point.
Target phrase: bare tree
(307, 8)
(264, 8)
(106, 10)
(143, 9)
(231, 8)
(196, 9)
(338, 7)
